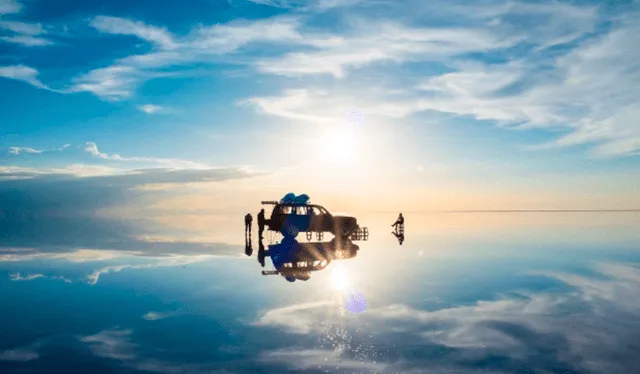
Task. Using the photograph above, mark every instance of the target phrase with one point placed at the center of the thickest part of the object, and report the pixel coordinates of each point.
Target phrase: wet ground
(485, 292)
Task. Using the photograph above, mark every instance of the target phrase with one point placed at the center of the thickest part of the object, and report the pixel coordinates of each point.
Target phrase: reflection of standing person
(261, 252)
(261, 222)
(247, 224)
(248, 249)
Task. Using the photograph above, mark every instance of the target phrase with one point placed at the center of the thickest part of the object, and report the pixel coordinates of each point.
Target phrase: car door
(279, 216)
(320, 220)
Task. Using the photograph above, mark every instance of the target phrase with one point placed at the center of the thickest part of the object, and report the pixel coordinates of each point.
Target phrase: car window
(285, 209)
(301, 210)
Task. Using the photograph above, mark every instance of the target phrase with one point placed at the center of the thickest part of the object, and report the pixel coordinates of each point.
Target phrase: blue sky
(180, 108)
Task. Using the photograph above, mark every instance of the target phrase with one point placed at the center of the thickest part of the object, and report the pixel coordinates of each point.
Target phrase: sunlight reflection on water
(356, 302)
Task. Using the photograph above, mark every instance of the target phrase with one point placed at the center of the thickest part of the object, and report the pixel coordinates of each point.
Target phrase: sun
(339, 145)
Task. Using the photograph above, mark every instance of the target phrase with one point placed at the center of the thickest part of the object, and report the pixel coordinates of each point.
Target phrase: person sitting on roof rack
(399, 221)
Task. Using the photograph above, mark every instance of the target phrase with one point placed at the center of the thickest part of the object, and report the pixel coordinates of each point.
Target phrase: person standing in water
(247, 225)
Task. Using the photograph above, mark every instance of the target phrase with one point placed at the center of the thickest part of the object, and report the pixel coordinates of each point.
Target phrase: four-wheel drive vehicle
(292, 218)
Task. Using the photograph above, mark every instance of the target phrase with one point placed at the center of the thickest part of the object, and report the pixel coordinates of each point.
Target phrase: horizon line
(517, 211)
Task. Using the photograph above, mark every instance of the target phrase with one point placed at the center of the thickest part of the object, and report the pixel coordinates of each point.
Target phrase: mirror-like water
(517, 292)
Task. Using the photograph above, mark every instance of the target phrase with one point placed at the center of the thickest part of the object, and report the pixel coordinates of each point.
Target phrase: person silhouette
(261, 223)
(399, 221)
(247, 224)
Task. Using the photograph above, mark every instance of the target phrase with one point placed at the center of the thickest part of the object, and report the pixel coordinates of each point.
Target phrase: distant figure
(247, 224)
(261, 223)
(399, 221)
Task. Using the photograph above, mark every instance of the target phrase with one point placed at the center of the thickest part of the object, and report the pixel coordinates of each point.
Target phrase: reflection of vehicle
(294, 260)
(290, 218)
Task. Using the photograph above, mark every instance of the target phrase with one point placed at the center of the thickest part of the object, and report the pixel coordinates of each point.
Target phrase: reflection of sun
(340, 278)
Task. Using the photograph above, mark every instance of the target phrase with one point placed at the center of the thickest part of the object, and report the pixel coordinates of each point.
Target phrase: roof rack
(273, 202)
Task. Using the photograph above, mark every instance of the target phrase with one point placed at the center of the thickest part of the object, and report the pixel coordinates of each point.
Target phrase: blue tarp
(288, 198)
(301, 199)
(292, 198)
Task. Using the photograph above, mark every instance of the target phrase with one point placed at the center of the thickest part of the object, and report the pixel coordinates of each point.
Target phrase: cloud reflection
(590, 328)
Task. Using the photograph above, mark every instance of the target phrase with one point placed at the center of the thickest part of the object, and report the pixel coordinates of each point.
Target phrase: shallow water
(483, 292)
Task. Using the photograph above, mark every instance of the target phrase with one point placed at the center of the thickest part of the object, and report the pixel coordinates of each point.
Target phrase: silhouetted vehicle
(295, 261)
(291, 218)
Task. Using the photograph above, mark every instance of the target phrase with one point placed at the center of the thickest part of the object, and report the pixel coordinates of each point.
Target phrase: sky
(129, 123)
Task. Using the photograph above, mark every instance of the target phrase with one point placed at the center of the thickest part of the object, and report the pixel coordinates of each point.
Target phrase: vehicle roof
(292, 204)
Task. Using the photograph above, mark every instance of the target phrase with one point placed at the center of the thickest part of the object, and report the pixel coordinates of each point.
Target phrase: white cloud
(203, 44)
(121, 26)
(591, 93)
(169, 261)
(76, 170)
(382, 42)
(588, 92)
(302, 104)
(19, 277)
(113, 344)
(116, 344)
(150, 108)
(156, 316)
(19, 150)
(26, 40)
(295, 318)
(9, 6)
(319, 359)
(92, 148)
(22, 73)
(586, 329)
(278, 3)
(227, 38)
(114, 82)
(22, 27)
(18, 355)
(307, 5)
(25, 34)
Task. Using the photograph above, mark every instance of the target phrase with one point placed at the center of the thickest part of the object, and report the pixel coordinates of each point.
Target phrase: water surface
(484, 292)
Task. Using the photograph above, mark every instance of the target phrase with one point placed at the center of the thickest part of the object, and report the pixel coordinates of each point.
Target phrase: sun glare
(340, 278)
(339, 145)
